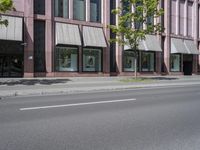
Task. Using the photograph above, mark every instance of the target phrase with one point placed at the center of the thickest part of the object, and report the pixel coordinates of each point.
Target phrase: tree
(5, 5)
(135, 21)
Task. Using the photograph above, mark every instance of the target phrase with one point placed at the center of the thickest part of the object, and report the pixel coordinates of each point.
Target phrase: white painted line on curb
(76, 104)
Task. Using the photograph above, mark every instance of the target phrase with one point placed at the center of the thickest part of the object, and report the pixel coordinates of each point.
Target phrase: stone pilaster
(70, 9)
(118, 47)
(28, 39)
(195, 33)
(167, 43)
(106, 21)
(48, 37)
(87, 10)
(177, 16)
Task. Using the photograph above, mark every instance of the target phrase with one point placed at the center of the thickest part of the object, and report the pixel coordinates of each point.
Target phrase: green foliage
(5, 5)
(133, 23)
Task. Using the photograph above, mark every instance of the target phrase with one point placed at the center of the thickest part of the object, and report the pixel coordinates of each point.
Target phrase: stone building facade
(61, 38)
(179, 43)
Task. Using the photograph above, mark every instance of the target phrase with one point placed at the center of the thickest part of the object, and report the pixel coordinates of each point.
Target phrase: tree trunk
(135, 67)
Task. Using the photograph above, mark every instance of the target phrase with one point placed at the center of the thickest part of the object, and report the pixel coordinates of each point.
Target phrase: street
(166, 118)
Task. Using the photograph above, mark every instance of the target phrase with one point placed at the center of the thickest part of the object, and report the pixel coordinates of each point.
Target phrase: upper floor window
(162, 4)
(190, 19)
(150, 20)
(126, 9)
(61, 8)
(182, 18)
(174, 16)
(199, 21)
(95, 10)
(138, 23)
(112, 15)
(79, 9)
(39, 7)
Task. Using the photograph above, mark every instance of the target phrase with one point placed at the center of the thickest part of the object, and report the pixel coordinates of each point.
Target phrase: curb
(23, 93)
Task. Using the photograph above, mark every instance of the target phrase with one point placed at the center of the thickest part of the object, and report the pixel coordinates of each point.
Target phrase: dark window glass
(112, 35)
(150, 20)
(148, 61)
(39, 46)
(39, 7)
(95, 10)
(79, 9)
(61, 8)
(112, 16)
(162, 17)
(127, 9)
(11, 59)
(92, 60)
(150, 23)
(66, 59)
(139, 11)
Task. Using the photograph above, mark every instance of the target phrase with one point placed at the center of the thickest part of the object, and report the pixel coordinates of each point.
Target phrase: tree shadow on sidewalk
(12, 82)
(164, 78)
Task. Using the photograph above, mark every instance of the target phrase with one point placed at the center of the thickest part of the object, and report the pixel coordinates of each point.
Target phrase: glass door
(11, 66)
(16, 68)
(4, 66)
(1, 66)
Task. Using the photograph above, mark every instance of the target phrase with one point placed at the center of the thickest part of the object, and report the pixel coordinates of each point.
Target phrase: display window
(175, 62)
(66, 59)
(92, 60)
(129, 61)
(148, 61)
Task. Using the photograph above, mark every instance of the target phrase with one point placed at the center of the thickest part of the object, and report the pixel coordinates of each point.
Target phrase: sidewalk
(10, 87)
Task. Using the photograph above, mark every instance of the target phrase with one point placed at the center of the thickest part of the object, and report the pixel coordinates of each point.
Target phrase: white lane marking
(76, 104)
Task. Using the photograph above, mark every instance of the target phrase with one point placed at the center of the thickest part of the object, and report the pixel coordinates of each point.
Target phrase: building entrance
(11, 59)
(11, 66)
(187, 64)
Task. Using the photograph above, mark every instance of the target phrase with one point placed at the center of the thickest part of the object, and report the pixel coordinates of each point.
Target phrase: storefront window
(79, 9)
(92, 60)
(175, 62)
(129, 61)
(66, 59)
(95, 10)
(147, 61)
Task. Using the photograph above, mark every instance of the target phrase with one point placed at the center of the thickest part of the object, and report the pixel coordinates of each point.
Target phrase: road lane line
(76, 104)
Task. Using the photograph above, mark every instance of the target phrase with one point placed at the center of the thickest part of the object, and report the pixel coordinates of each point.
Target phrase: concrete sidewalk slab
(46, 86)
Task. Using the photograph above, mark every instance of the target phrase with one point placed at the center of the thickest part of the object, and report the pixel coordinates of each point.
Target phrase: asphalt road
(142, 119)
